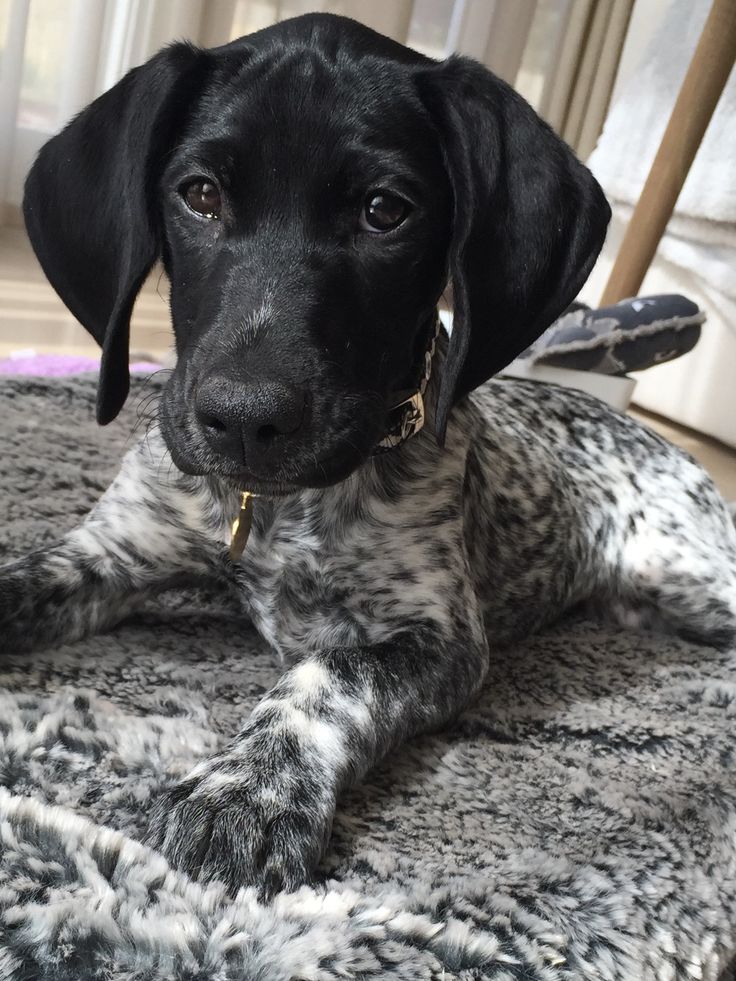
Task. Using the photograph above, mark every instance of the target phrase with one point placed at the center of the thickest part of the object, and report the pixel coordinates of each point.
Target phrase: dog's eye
(203, 197)
(383, 211)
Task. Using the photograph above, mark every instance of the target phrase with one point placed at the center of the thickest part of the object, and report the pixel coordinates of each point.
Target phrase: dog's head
(311, 189)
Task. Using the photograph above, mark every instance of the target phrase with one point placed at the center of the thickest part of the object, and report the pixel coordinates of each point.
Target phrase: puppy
(311, 190)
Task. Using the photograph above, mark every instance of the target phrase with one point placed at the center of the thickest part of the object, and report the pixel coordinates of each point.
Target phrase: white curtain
(57, 55)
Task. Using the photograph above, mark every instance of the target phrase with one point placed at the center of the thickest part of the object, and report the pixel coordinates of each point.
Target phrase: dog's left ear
(529, 222)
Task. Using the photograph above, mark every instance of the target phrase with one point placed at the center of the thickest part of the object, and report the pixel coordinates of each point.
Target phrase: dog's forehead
(305, 91)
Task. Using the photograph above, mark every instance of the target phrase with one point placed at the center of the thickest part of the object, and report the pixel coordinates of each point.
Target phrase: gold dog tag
(241, 527)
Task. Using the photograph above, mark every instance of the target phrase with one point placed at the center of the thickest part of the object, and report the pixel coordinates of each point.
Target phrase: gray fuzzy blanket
(578, 822)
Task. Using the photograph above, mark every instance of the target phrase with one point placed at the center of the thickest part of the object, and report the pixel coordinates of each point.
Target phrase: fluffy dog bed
(578, 822)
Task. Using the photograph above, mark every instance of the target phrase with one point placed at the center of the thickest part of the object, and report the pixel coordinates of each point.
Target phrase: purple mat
(55, 365)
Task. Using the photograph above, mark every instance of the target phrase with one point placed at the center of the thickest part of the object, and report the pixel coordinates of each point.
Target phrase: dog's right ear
(529, 222)
(90, 204)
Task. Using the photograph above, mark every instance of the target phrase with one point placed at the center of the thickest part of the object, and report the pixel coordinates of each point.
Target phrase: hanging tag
(241, 527)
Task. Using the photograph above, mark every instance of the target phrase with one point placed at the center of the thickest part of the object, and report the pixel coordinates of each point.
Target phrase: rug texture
(578, 822)
(27, 362)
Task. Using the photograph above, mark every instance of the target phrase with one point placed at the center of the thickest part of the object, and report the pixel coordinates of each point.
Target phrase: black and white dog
(312, 189)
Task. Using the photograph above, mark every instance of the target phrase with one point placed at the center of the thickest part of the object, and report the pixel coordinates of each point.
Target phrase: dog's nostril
(267, 433)
(244, 421)
(212, 422)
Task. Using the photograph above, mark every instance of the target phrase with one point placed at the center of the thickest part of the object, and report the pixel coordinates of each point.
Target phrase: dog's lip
(310, 479)
(263, 488)
(315, 473)
(323, 473)
(244, 480)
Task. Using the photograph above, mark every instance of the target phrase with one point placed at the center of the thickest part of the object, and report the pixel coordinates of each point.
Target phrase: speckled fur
(386, 595)
(575, 822)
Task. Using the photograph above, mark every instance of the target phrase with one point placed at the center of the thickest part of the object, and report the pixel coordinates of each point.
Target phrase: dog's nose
(242, 421)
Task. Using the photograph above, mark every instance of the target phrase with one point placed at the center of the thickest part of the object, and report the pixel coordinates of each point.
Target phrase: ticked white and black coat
(386, 581)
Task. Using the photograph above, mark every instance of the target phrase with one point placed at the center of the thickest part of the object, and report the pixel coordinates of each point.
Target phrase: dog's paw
(256, 815)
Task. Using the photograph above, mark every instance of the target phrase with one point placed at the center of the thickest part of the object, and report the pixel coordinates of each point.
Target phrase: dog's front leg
(260, 812)
(147, 531)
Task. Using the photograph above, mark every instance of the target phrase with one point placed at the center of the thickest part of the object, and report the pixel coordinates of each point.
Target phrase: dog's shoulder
(561, 419)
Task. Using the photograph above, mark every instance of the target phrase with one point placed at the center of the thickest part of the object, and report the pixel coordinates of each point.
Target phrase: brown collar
(407, 416)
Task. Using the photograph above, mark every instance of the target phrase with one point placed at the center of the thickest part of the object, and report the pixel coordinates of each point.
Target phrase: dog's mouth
(300, 470)
(337, 438)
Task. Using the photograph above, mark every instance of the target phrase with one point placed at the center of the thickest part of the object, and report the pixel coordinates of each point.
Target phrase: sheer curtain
(55, 57)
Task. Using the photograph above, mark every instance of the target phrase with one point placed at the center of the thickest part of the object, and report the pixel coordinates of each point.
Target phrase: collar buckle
(410, 419)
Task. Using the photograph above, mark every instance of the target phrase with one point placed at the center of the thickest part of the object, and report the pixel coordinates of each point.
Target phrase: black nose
(244, 421)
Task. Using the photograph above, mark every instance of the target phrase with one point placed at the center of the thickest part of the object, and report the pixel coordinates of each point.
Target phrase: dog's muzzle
(406, 419)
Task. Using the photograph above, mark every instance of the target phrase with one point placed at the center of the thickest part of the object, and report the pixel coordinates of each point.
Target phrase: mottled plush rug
(578, 822)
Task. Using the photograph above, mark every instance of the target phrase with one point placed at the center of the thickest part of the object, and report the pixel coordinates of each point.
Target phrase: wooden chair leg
(704, 82)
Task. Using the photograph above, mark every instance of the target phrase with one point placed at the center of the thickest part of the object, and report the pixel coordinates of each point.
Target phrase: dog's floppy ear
(90, 206)
(529, 222)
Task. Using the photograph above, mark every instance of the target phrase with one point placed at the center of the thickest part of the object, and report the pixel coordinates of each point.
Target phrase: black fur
(298, 123)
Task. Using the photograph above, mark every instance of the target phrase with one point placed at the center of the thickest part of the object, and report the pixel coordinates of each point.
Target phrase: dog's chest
(297, 587)
(310, 584)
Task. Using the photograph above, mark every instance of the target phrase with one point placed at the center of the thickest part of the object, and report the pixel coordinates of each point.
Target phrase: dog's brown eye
(383, 211)
(203, 197)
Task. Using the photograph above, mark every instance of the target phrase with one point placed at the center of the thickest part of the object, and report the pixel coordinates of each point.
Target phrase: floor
(33, 317)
